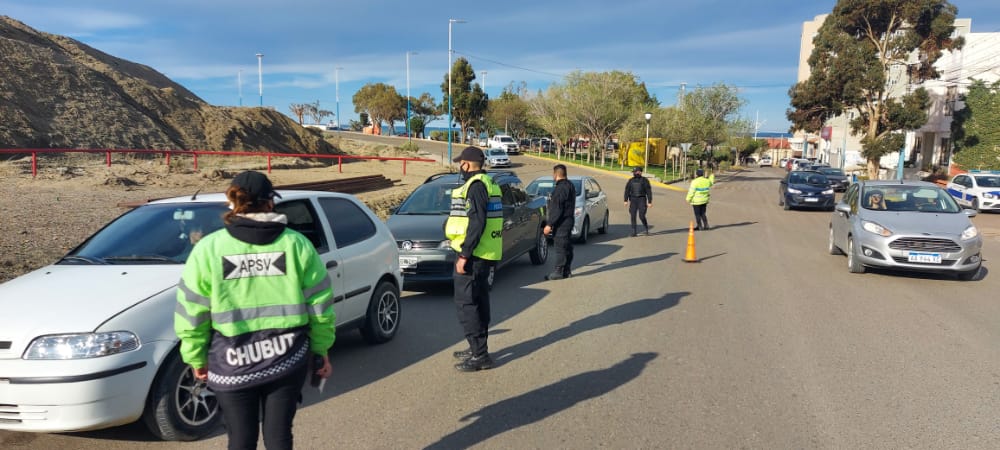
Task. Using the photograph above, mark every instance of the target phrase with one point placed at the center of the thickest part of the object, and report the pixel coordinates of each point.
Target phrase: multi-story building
(930, 146)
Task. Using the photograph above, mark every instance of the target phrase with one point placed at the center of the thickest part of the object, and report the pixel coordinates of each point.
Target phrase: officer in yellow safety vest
(475, 228)
(698, 196)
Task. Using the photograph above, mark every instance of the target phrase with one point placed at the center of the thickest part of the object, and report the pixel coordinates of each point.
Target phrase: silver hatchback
(910, 225)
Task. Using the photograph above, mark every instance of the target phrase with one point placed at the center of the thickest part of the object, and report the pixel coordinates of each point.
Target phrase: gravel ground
(42, 218)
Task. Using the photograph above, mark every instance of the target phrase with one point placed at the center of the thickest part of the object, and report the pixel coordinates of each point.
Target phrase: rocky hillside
(56, 92)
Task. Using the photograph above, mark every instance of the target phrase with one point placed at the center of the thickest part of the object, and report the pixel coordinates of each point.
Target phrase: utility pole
(450, 52)
(260, 77)
(336, 77)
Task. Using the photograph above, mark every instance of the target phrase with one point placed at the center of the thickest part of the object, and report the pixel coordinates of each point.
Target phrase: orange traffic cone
(689, 256)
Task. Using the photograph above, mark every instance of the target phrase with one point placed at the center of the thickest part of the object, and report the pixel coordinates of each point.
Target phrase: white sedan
(88, 342)
(977, 190)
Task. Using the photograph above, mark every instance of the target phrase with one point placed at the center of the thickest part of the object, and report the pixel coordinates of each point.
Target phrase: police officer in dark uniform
(638, 197)
(475, 228)
(562, 204)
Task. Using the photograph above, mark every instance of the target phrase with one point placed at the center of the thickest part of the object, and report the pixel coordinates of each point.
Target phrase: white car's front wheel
(179, 407)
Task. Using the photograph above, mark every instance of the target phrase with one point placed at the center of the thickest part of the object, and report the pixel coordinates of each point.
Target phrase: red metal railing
(194, 154)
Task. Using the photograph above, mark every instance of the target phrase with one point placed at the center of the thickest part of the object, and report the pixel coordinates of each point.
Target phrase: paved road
(767, 343)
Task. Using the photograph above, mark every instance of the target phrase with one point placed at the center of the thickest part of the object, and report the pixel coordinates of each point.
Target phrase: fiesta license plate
(811, 199)
(926, 258)
(407, 262)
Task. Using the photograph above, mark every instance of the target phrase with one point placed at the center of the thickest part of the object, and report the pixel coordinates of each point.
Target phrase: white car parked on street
(977, 190)
(88, 342)
(591, 212)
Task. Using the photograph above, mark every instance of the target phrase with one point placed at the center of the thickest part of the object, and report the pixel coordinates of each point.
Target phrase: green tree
(600, 103)
(708, 114)
(423, 110)
(381, 102)
(860, 49)
(552, 113)
(468, 102)
(975, 129)
(510, 111)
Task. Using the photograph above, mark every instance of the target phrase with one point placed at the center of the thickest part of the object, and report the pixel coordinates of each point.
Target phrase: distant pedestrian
(638, 197)
(562, 204)
(698, 196)
(475, 228)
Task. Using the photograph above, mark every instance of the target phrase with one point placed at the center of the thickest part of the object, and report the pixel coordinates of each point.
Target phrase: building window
(950, 98)
(945, 153)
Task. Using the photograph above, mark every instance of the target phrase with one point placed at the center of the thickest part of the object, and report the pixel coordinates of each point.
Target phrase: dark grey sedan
(806, 189)
(838, 180)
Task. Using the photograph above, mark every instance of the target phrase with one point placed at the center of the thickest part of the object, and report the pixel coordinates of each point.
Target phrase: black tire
(607, 218)
(384, 312)
(968, 275)
(975, 205)
(540, 253)
(786, 205)
(832, 246)
(178, 408)
(853, 264)
(584, 231)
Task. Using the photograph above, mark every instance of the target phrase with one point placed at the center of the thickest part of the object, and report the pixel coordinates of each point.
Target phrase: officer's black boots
(463, 354)
(558, 273)
(474, 364)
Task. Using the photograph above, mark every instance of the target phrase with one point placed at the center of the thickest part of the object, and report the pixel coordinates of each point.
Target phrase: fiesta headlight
(873, 227)
(445, 244)
(794, 191)
(970, 233)
(81, 345)
(828, 192)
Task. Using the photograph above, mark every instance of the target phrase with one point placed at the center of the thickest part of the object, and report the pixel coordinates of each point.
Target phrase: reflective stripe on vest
(491, 243)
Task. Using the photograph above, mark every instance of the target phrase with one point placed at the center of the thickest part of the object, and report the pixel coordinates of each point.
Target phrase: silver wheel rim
(388, 312)
(543, 247)
(196, 405)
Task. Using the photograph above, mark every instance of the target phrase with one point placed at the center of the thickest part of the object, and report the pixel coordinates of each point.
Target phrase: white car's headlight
(445, 244)
(81, 345)
(828, 192)
(873, 227)
(970, 233)
(988, 195)
(794, 191)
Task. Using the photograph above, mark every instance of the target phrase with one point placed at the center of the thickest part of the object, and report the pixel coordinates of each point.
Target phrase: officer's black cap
(471, 154)
(256, 185)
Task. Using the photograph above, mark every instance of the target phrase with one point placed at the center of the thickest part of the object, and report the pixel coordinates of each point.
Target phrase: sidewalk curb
(619, 175)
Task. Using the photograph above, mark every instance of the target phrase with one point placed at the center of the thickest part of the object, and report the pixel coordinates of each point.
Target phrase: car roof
(218, 197)
(571, 178)
(897, 183)
(500, 176)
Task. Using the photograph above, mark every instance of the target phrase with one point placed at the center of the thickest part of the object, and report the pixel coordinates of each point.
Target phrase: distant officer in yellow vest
(698, 196)
(475, 228)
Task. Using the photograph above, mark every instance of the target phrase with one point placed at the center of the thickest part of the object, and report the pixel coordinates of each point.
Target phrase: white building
(979, 59)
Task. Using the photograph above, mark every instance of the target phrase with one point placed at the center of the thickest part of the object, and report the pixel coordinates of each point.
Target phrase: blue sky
(203, 44)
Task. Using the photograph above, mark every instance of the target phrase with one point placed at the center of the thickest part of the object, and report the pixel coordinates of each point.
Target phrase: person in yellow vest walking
(475, 228)
(698, 196)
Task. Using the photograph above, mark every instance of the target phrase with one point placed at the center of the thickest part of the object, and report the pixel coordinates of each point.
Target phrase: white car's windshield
(908, 198)
(544, 187)
(150, 234)
(429, 199)
(496, 152)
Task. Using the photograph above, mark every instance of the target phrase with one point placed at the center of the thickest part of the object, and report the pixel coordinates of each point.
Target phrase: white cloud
(73, 21)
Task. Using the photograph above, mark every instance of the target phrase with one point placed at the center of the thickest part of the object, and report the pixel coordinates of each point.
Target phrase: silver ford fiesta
(910, 225)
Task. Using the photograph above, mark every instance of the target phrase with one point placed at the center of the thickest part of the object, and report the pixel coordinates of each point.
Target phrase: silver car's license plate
(927, 258)
(408, 262)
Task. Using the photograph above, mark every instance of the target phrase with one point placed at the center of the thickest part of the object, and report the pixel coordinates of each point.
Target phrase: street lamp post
(260, 77)
(645, 159)
(409, 133)
(450, 51)
(336, 78)
(843, 149)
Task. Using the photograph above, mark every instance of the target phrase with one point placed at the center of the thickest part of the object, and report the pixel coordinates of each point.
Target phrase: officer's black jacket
(562, 204)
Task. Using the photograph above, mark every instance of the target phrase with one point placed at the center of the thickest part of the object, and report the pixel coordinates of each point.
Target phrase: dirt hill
(56, 92)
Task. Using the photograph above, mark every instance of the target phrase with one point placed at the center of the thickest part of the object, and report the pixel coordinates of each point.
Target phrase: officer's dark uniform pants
(472, 302)
(562, 240)
(242, 409)
(700, 217)
(637, 205)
